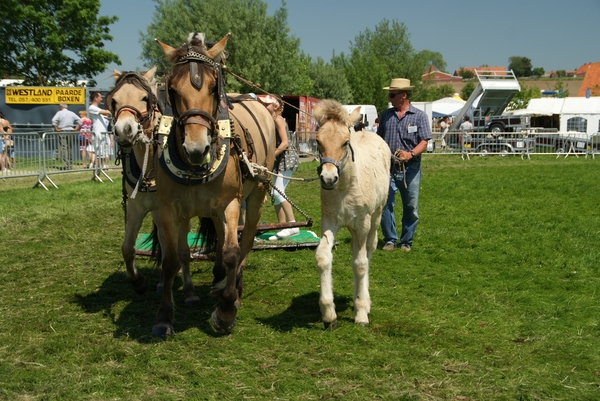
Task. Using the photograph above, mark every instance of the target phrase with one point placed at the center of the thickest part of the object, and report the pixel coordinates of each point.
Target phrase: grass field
(497, 301)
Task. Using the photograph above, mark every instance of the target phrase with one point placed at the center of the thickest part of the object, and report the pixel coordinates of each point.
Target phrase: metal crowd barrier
(43, 154)
(523, 144)
(306, 143)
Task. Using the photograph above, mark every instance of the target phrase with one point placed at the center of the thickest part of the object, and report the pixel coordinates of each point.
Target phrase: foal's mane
(330, 110)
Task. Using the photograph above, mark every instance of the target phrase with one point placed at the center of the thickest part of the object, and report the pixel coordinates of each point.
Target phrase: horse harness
(149, 122)
(223, 125)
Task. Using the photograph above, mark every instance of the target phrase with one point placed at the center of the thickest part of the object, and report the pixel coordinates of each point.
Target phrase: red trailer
(298, 112)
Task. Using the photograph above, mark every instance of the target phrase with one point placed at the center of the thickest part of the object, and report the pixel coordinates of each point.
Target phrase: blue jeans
(410, 205)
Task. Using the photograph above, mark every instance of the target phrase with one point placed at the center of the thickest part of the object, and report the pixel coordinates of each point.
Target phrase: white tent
(448, 106)
(567, 108)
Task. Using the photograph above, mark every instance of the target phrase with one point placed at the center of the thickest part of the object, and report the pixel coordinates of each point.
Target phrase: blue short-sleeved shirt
(404, 133)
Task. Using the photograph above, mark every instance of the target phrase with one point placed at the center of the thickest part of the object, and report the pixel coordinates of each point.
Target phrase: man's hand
(402, 155)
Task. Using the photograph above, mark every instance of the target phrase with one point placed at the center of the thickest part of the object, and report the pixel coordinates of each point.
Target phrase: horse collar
(172, 164)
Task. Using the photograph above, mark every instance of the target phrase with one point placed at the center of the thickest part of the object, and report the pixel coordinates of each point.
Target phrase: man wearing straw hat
(406, 130)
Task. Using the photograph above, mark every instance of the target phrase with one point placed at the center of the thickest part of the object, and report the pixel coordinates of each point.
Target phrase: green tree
(559, 87)
(522, 98)
(467, 90)
(538, 72)
(428, 57)
(430, 93)
(261, 49)
(329, 82)
(375, 58)
(521, 66)
(466, 74)
(48, 42)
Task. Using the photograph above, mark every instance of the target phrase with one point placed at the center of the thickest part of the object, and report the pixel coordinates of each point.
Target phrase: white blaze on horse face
(197, 136)
(125, 124)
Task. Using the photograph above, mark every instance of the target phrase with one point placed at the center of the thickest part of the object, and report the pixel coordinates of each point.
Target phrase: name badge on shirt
(412, 129)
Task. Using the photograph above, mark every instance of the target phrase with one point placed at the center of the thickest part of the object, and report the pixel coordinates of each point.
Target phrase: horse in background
(136, 118)
(354, 173)
(206, 172)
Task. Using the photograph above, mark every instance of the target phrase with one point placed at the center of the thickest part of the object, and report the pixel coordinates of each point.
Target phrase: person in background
(65, 121)
(373, 128)
(467, 125)
(286, 162)
(7, 153)
(444, 127)
(406, 131)
(85, 140)
(99, 129)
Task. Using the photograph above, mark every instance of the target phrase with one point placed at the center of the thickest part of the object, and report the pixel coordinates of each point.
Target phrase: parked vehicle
(497, 124)
(488, 101)
(368, 113)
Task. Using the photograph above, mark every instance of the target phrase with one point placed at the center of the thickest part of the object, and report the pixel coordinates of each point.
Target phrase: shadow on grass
(136, 318)
(303, 312)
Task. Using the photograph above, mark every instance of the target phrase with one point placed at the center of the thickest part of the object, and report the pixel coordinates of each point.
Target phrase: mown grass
(497, 300)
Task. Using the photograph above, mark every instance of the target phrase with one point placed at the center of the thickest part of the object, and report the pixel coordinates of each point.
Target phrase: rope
(270, 185)
(143, 173)
(255, 86)
(402, 164)
(265, 170)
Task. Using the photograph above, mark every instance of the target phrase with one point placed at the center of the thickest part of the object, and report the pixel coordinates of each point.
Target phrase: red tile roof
(591, 79)
(432, 73)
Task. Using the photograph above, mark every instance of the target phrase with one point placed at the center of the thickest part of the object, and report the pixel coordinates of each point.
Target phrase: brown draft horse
(133, 103)
(211, 180)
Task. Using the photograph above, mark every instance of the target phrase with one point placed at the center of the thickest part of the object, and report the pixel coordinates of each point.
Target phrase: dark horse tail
(156, 251)
(208, 236)
(208, 241)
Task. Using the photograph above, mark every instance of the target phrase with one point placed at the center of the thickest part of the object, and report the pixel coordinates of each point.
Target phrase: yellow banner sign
(43, 95)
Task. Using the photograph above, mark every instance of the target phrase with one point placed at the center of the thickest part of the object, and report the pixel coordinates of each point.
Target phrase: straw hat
(399, 84)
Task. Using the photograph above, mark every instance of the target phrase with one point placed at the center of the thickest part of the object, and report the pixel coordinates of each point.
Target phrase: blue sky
(555, 35)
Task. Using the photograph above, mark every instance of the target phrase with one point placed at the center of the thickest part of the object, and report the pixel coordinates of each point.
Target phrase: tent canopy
(568, 105)
(448, 106)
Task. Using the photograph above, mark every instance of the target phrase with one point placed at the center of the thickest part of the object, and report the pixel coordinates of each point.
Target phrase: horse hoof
(363, 324)
(192, 301)
(330, 325)
(162, 330)
(220, 325)
(139, 285)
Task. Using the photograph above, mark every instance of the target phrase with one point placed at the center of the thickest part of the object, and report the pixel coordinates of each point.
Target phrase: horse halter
(143, 118)
(337, 163)
(198, 116)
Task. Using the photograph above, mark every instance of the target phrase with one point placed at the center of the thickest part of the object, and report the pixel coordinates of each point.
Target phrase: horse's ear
(353, 117)
(149, 75)
(168, 50)
(116, 74)
(215, 51)
(319, 118)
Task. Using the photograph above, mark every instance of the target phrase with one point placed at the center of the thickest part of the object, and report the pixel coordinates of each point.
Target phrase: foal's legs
(324, 258)
(364, 242)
